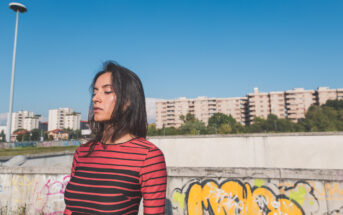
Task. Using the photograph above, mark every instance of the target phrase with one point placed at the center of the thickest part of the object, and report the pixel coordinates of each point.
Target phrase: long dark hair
(129, 114)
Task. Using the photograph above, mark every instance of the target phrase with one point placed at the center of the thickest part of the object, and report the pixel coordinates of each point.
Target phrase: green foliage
(328, 117)
(335, 104)
(224, 129)
(2, 136)
(217, 121)
(192, 125)
(271, 124)
(152, 131)
(35, 134)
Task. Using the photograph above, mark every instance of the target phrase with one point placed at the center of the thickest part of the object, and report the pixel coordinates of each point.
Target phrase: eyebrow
(103, 86)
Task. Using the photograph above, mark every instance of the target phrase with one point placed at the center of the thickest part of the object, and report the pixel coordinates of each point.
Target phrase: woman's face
(104, 98)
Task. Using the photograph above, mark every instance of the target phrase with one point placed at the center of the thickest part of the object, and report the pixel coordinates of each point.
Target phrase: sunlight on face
(104, 98)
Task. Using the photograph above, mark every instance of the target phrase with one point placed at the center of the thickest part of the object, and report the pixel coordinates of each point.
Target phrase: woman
(112, 172)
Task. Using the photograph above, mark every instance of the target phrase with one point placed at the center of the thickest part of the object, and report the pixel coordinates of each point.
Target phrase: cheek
(111, 103)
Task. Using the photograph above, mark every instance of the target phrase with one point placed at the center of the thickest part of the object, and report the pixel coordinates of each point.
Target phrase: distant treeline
(327, 117)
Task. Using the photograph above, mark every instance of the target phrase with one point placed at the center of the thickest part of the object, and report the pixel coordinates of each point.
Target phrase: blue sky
(178, 48)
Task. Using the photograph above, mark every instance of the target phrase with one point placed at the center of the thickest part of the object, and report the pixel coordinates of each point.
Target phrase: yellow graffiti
(180, 199)
(234, 198)
(298, 196)
(258, 182)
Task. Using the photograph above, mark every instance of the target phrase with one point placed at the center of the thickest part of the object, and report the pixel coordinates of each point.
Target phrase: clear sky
(178, 48)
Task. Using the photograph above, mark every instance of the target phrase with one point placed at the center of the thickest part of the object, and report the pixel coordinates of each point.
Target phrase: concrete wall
(192, 191)
(301, 174)
(294, 150)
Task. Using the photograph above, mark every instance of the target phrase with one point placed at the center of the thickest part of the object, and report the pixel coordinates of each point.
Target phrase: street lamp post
(17, 7)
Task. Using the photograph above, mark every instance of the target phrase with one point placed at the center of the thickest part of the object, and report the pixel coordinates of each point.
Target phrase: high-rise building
(24, 120)
(291, 104)
(63, 118)
(31, 122)
(72, 121)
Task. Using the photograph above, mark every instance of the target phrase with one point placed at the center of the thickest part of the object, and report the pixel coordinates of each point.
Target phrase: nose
(96, 98)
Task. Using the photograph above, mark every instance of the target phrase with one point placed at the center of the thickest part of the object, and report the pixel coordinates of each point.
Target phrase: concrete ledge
(42, 155)
(339, 133)
(276, 173)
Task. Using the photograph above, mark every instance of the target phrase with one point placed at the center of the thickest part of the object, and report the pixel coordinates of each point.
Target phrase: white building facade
(24, 120)
(63, 118)
(72, 121)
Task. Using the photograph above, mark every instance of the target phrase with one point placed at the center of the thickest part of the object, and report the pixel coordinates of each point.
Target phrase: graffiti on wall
(49, 195)
(33, 195)
(221, 197)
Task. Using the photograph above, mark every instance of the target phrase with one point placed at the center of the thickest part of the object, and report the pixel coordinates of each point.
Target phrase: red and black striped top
(114, 178)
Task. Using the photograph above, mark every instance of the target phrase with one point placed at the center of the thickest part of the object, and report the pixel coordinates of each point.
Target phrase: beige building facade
(168, 112)
(290, 104)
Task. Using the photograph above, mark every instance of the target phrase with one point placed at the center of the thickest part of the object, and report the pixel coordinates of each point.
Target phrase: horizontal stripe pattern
(114, 178)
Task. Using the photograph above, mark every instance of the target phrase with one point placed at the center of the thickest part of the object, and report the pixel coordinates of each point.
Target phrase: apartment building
(24, 120)
(72, 121)
(298, 101)
(168, 112)
(258, 104)
(290, 104)
(63, 118)
(324, 93)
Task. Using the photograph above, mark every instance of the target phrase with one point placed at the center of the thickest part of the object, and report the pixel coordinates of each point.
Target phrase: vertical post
(9, 117)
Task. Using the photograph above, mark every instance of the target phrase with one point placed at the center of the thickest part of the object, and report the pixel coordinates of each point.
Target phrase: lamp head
(17, 7)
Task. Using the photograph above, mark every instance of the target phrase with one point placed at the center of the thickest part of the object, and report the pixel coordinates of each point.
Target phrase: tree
(26, 136)
(192, 125)
(224, 129)
(2, 136)
(152, 131)
(320, 119)
(170, 131)
(35, 134)
(218, 119)
(336, 104)
(258, 125)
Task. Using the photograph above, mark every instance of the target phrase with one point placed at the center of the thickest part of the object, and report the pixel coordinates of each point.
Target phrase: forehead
(104, 79)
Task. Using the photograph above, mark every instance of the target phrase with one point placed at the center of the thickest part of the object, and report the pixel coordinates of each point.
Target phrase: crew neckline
(119, 143)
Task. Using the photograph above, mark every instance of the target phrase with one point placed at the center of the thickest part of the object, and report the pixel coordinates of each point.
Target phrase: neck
(122, 139)
(126, 137)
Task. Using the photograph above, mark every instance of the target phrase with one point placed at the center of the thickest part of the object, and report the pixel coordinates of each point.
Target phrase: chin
(100, 119)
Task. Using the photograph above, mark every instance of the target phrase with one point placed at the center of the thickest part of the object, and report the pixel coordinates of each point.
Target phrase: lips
(97, 108)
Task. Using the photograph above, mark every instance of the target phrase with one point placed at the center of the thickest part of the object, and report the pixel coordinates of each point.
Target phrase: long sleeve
(75, 158)
(153, 179)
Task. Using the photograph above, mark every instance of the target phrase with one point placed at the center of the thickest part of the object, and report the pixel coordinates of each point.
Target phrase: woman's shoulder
(143, 143)
(85, 146)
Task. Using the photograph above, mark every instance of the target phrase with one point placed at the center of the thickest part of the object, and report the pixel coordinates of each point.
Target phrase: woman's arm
(75, 158)
(153, 178)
